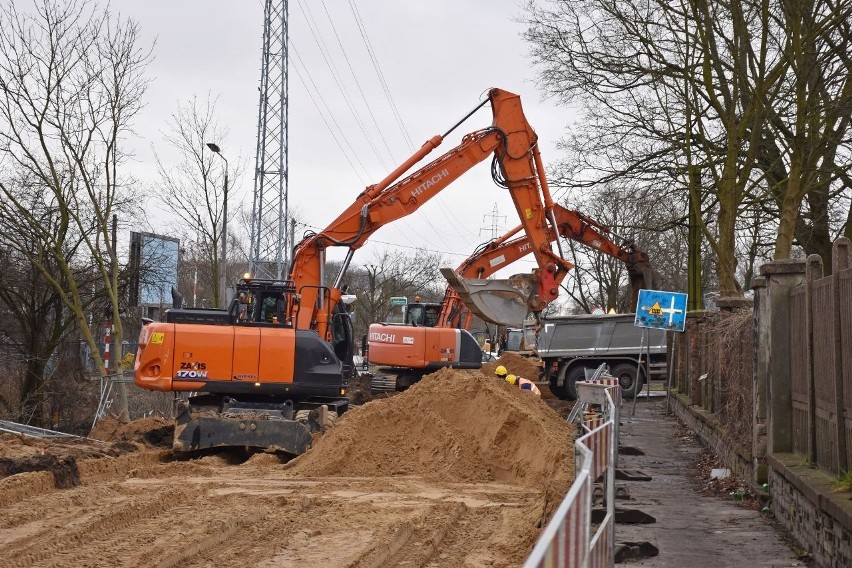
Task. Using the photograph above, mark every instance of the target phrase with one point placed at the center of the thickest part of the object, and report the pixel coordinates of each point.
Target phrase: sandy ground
(418, 479)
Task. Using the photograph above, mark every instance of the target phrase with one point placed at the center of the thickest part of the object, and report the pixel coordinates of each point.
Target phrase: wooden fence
(821, 364)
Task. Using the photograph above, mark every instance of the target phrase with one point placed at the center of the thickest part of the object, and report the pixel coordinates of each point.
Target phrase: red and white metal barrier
(567, 540)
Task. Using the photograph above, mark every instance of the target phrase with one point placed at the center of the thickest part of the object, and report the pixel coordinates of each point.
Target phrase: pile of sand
(515, 364)
(152, 431)
(456, 425)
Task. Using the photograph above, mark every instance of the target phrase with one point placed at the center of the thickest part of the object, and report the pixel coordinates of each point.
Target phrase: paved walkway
(692, 530)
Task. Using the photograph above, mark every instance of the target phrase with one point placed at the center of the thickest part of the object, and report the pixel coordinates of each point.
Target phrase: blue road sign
(661, 310)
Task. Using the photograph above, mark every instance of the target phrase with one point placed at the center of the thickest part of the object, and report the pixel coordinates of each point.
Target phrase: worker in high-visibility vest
(523, 384)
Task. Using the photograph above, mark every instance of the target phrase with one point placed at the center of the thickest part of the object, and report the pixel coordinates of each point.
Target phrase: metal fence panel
(824, 379)
(800, 387)
(567, 541)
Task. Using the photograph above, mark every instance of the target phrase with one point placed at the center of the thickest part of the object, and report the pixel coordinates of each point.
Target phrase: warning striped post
(107, 341)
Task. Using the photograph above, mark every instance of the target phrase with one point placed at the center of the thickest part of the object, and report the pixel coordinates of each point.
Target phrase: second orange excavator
(439, 337)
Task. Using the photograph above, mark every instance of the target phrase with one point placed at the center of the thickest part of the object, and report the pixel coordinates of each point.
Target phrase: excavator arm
(517, 166)
(470, 276)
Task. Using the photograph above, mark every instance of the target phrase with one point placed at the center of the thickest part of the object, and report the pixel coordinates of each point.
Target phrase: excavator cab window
(431, 314)
(414, 314)
(268, 311)
(342, 335)
(245, 306)
(424, 315)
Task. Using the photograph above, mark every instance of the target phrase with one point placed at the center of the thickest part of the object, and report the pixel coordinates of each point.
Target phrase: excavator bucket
(643, 276)
(504, 302)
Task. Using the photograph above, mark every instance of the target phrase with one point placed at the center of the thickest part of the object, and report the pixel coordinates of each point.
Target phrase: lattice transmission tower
(269, 251)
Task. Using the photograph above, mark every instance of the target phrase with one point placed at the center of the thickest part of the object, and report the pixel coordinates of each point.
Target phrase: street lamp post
(224, 260)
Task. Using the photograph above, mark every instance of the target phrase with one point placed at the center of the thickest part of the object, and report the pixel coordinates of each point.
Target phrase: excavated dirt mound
(59, 456)
(515, 364)
(452, 425)
(154, 432)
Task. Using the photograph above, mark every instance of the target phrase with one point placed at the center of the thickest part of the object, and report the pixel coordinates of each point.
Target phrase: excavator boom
(509, 140)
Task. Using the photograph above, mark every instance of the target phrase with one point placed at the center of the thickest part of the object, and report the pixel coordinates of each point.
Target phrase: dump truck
(571, 346)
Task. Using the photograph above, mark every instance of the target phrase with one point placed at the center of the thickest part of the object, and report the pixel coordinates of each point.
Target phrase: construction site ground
(459, 470)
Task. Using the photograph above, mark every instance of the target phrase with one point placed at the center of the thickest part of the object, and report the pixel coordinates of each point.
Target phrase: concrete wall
(804, 503)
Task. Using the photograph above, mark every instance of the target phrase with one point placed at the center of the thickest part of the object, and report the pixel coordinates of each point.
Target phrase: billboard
(154, 268)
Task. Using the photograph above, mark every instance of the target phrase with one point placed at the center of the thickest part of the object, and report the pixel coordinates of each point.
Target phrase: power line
(381, 75)
(328, 113)
(357, 83)
(314, 29)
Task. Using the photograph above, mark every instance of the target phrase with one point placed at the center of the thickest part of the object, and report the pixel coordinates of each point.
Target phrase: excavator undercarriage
(210, 421)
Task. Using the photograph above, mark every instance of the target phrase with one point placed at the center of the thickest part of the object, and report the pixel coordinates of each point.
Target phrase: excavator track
(209, 422)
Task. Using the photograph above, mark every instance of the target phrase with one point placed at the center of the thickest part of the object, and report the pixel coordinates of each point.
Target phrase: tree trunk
(815, 236)
(31, 408)
(727, 261)
(786, 226)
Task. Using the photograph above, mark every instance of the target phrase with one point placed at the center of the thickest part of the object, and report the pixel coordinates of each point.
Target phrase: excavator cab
(423, 315)
(261, 301)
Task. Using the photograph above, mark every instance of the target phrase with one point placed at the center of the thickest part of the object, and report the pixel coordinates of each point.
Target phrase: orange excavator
(273, 368)
(423, 344)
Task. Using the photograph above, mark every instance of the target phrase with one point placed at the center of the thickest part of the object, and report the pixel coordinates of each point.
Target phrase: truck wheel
(568, 376)
(626, 375)
(574, 375)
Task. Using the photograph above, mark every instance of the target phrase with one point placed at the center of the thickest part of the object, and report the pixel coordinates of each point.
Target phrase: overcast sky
(438, 59)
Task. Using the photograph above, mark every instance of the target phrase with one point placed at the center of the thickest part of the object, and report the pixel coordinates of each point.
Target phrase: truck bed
(594, 335)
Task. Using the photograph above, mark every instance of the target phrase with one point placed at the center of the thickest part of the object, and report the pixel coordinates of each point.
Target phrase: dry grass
(731, 355)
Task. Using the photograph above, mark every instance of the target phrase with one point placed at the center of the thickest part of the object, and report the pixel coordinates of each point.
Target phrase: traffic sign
(398, 301)
(661, 310)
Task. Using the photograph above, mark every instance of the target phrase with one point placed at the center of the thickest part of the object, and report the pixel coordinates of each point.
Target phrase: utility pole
(223, 261)
(495, 225)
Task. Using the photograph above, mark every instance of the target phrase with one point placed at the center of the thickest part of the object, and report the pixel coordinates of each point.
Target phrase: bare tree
(71, 83)
(599, 280)
(35, 322)
(393, 274)
(668, 88)
(193, 188)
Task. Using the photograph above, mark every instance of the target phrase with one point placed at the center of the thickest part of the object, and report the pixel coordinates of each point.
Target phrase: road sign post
(656, 309)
